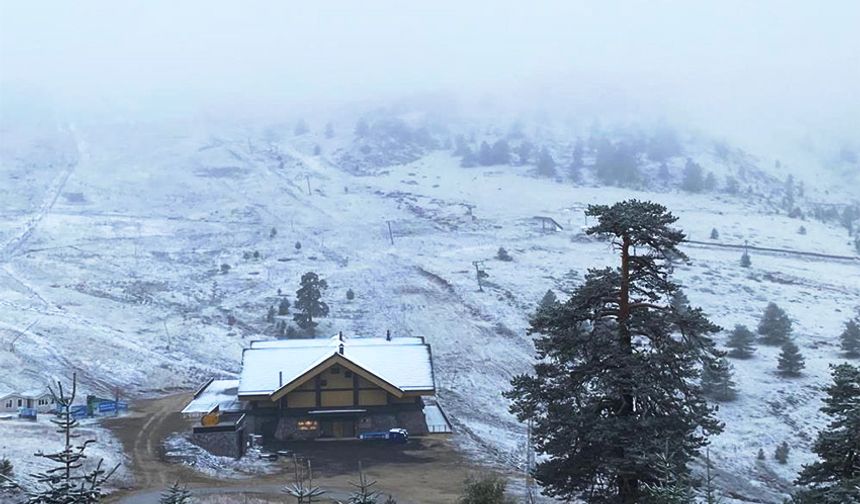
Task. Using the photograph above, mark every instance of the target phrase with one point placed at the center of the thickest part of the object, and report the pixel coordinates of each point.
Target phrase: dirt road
(427, 471)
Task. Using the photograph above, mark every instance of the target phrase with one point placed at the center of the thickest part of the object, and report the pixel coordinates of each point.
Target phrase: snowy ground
(114, 248)
(20, 439)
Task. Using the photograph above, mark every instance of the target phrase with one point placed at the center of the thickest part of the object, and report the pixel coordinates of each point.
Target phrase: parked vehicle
(395, 436)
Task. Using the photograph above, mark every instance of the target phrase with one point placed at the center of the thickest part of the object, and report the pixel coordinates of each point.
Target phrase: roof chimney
(388, 335)
(280, 379)
(340, 348)
(340, 335)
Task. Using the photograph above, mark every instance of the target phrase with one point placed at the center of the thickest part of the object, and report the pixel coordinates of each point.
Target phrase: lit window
(308, 425)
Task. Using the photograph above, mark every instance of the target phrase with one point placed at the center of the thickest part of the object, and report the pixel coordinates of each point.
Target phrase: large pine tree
(835, 478)
(616, 378)
(309, 302)
(774, 326)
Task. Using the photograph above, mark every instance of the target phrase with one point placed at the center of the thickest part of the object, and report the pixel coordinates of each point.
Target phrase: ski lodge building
(337, 387)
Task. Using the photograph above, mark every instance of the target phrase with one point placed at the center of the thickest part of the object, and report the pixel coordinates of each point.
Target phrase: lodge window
(19, 402)
(335, 370)
(9, 403)
(307, 425)
(348, 374)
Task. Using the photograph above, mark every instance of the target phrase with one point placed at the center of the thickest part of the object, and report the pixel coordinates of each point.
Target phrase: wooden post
(308, 179)
(390, 234)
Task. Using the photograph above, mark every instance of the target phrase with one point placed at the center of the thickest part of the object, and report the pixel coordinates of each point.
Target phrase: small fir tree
(309, 301)
(545, 163)
(717, 381)
(835, 477)
(6, 467)
(301, 127)
(176, 494)
(746, 262)
(270, 316)
(715, 235)
(284, 307)
(350, 295)
(364, 493)
(329, 130)
(781, 453)
(503, 255)
(741, 342)
(760, 455)
(774, 325)
(670, 485)
(791, 362)
(298, 246)
(850, 338)
(484, 489)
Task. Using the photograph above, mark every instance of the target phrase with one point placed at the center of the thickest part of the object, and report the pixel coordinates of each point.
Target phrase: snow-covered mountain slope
(113, 251)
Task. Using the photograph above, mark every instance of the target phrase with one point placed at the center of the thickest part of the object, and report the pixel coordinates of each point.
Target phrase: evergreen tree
(524, 152)
(503, 255)
(774, 326)
(545, 163)
(801, 230)
(715, 235)
(851, 338)
(663, 174)
(350, 295)
(485, 154)
(298, 246)
(284, 306)
(746, 262)
(603, 407)
(835, 477)
(6, 468)
(710, 183)
(270, 315)
(791, 362)
(176, 495)
(484, 489)
(329, 130)
(717, 381)
(469, 158)
(741, 342)
(364, 493)
(781, 453)
(670, 487)
(317, 150)
(732, 185)
(693, 180)
(309, 301)
(760, 455)
(501, 153)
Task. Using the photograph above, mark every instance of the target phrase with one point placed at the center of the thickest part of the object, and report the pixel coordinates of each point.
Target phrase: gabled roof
(400, 365)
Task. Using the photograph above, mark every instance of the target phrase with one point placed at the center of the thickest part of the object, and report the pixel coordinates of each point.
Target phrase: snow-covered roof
(404, 363)
(220, 394)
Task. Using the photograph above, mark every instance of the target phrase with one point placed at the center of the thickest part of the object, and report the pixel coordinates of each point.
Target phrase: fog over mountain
(780, 66)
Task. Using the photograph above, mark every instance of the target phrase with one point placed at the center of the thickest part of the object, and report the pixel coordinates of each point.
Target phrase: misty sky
(771, 57)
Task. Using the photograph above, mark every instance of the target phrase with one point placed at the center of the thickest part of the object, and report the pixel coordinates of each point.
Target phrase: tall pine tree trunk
(627, 483)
